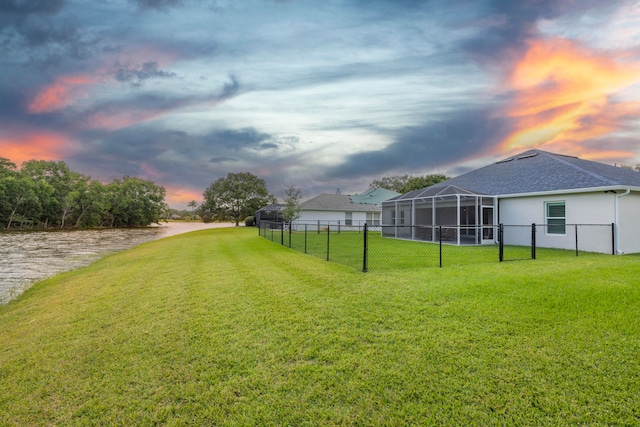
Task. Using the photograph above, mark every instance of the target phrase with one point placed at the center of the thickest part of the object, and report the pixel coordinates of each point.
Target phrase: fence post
(501, 240)
(305, 238)
(289, 235)
(328, 233)
(282, 234)
(533, 241)
(576, 239)
(613, 238)
(365, 250)
(440, 239)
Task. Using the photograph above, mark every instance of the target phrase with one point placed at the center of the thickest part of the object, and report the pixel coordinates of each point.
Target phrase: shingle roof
(272, 207)
(336, 202)
(374, 196)
(536, 171)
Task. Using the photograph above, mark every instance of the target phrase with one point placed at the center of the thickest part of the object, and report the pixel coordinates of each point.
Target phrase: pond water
(27, 257)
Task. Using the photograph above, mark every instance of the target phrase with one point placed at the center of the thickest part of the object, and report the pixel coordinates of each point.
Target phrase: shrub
(249, 221)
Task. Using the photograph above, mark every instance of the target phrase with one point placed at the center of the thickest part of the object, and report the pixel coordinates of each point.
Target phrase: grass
(384, 253)
(222, 327)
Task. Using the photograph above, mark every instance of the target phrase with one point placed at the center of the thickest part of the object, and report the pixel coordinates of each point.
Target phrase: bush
(249, 221)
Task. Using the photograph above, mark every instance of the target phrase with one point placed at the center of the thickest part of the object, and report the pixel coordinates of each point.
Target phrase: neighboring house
(345, 210)
(271, 213)
(534, 187)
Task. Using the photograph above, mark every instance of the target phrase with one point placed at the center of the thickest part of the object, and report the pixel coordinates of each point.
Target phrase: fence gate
(522, 239)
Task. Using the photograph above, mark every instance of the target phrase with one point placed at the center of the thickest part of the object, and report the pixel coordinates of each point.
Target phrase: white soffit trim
(570, 191)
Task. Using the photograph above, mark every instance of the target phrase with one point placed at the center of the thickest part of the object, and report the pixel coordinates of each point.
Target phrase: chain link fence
(386, 247)
(524, 241)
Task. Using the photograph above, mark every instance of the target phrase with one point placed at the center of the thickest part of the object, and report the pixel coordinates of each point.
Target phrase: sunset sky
(316, 94)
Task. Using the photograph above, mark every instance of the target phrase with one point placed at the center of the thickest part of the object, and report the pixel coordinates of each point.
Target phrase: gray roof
(336, 202)
(272, 207)
(535, 171)
(374, 196)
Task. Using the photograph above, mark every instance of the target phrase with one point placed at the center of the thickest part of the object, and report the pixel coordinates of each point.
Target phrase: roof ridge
(577, 167)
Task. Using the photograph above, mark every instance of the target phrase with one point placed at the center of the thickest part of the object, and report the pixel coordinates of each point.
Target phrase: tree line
(239, 195)
(47, 194)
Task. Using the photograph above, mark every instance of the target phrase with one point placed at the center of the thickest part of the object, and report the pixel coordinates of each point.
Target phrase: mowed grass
(386, 253)
(222, 327)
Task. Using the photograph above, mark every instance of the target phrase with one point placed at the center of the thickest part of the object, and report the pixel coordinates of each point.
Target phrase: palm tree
(193, 205)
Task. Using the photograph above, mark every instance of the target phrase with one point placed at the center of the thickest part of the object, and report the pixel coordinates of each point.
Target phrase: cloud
(565, 93)
(60, 94)
(156, 4)
(18, 9)
(59, 103)
(137, 76)
(33, 144)
(518, 22)
(450, 139)
(38, 33)
(171, 152)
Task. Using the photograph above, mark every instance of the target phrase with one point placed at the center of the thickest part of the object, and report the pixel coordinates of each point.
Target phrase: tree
(418, 182)
(7, 167)
(18, 200)
(406, 183)
(234, 197)
(61, 180)
(193, 205)
(135, 202)
(291, 210)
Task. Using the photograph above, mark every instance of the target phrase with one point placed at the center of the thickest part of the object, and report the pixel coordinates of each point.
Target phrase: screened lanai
(448, 213)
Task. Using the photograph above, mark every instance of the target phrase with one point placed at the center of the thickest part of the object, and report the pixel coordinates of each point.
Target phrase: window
(348, 218)
(373, 218)
(556, 219)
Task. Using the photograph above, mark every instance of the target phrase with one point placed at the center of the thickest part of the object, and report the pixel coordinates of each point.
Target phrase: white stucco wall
(584, 208)
(629, 223)
(331, 217)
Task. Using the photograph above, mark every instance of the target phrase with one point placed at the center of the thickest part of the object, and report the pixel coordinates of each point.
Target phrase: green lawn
(386, 253)
(222, 327)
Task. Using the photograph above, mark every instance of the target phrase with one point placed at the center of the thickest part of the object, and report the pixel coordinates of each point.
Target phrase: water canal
(27, 257)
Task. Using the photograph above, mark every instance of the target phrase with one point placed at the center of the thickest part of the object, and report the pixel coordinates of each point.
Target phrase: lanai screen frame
(418, 216)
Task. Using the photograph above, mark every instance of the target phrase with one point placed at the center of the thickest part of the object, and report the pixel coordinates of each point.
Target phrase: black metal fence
(385, 247)
(523, 241)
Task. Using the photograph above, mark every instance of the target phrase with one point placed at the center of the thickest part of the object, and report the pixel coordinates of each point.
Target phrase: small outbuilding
(534, 187)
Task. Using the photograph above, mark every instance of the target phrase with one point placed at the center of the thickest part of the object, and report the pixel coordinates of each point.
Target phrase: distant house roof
(534, 171)
(374, 196)
(336, 202)
(272, 207)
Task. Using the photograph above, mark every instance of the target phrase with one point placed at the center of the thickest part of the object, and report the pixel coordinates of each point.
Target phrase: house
(534, 187)
(345, 210)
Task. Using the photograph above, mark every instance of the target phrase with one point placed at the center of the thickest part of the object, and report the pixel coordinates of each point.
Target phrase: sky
(319, 95)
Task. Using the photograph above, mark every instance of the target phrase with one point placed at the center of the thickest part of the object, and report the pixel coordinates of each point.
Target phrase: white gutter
(617, 219)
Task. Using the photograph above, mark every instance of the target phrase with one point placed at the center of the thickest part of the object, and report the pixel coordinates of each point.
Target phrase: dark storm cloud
(11, 106)
(459, 135)
(156, 4)
(137, 76)
(19, 8)
(222, 159)
(138, 149)
(38, 33)
(236, 140)
(507, 23)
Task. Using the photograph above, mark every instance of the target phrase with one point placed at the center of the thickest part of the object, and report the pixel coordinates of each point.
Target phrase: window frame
(554, 222)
